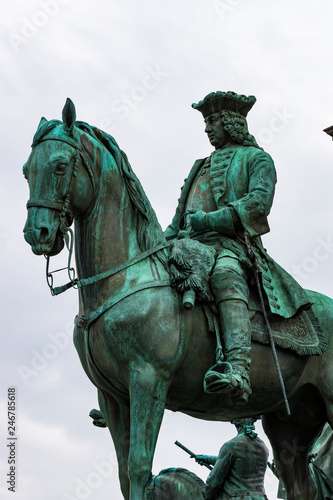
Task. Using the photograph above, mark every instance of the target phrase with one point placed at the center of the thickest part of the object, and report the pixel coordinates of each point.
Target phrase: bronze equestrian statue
(138, 346)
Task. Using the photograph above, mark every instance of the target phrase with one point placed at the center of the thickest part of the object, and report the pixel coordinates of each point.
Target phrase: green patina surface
(140, 349)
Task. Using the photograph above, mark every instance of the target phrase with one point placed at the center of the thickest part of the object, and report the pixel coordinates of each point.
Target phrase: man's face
(215, 131)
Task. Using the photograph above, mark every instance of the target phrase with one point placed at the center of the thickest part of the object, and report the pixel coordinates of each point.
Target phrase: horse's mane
(149, 231)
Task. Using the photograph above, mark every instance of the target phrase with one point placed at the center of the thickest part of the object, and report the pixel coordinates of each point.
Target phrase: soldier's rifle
(192, 455)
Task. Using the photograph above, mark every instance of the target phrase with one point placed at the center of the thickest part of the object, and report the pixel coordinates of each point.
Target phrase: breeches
(229, 279)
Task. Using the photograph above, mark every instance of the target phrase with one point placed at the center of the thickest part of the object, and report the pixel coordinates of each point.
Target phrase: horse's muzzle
(42, 242)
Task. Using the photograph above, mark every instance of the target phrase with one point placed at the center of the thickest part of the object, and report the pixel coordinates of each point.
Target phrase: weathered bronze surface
(225, 195)
(179, 484)
(137, 344)
(321, 463)
(239, 469)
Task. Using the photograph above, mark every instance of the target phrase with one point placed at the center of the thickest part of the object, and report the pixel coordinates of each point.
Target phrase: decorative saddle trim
(301, 333)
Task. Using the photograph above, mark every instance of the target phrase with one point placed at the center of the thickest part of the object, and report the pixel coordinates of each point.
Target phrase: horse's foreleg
(117, 418)
(147, 399)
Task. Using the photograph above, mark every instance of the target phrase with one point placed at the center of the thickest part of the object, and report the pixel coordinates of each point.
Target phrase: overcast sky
(133, 68)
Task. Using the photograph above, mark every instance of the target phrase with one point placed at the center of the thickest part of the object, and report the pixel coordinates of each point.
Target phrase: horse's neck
(107, 239)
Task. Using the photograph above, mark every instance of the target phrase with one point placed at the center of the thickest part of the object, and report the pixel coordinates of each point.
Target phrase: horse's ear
(69, 116)
(42, 121)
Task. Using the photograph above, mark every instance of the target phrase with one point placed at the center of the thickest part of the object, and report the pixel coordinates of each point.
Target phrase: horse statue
(136, 343)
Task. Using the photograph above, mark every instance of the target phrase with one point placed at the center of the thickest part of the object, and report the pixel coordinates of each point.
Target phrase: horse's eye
(60, 168)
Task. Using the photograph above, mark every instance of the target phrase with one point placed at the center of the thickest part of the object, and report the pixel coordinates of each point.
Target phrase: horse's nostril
(44, 232)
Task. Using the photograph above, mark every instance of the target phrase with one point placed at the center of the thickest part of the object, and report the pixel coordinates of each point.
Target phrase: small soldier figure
(239, 469)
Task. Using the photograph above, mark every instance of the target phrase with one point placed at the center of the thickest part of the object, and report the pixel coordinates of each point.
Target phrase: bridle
(66, 216)
(66, 219)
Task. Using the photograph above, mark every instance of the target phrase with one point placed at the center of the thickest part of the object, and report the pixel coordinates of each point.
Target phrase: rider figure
(225, 194)
(240, 467)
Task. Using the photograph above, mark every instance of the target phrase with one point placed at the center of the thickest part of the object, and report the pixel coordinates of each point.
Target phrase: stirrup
(222, 378)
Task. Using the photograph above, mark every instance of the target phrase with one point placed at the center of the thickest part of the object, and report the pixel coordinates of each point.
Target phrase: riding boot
(232, 376)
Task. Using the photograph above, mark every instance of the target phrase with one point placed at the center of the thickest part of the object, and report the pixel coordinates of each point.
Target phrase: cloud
(94, 54)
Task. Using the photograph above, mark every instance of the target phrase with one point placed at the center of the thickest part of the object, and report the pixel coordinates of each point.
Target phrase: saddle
(191, 264)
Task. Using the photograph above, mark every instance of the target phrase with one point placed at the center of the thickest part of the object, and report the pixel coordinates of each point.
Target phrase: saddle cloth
(191, 263)
(301, 333)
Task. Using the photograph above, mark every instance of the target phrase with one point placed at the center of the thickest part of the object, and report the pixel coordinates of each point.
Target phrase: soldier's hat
(225, 101)
(244, 421)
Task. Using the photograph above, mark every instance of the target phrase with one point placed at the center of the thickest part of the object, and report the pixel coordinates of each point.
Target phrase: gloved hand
(198, 220)
(201, 459)
(221, 221)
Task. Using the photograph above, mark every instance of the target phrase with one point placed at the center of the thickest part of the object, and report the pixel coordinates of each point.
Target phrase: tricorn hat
(225, 101)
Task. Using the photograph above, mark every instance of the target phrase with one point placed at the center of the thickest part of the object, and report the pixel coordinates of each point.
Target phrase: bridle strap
(54, 205)
(66, 216)
(68, 141)
(110, 272)
(85, 321)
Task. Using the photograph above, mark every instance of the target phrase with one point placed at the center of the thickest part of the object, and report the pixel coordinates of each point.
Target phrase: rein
(75, 283)
(71, 271)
